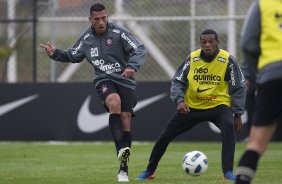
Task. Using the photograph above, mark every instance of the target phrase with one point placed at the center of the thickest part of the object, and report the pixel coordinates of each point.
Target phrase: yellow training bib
(271, 32)
(207, 87)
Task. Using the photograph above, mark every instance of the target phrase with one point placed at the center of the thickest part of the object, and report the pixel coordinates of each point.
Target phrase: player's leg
(127, 139)
(177, 125)
(268, 113)
(260, 137)
(257, 144)
(107, 91)
(126, 128)
(128, 102)
(250, 101)
(223, 119)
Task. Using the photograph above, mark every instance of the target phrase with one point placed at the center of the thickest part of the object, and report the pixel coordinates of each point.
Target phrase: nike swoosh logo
(89, 123)
(202, 90)
(15, 104)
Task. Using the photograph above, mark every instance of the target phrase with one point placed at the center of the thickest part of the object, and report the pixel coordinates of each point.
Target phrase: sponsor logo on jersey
(109, 41)
(94, 52)
(196, 59)
(242, 75)
(232, 75)
(107, 68)
(206, 97)
(184, 68)
(104, 88)
(86, 36)
(203, 90)
(223, 60)
(116, 31)
(77, 48)
(202, 77)
(129, 41)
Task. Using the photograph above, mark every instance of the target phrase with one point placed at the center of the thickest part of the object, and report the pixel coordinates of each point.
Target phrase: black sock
(247, 167)
(127, 139)
(116, 130)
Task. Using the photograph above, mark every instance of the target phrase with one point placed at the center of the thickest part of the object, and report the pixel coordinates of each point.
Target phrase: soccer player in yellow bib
(261, 42)
(208, 86)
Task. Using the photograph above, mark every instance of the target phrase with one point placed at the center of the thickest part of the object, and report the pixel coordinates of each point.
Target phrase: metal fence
(169, 29)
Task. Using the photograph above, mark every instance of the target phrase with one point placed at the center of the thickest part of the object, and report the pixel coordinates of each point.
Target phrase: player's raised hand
(49, 48)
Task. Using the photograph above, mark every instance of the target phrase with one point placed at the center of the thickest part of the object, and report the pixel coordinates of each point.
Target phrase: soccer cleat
(124, 153)
(146, 175)
(122, 176)
(123, 156)
(229, 176)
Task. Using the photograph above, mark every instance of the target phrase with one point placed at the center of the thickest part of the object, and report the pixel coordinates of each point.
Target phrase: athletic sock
(127, 139)
(116, 130)
(247, 167)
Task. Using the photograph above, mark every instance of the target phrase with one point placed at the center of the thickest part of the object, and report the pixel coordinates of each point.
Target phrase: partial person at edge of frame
(261, 42)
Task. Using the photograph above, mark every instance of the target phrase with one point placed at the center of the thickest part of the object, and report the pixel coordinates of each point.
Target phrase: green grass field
(95, 162)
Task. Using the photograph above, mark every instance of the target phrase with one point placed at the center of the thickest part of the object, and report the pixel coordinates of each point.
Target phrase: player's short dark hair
(97, 7)
(209, 31)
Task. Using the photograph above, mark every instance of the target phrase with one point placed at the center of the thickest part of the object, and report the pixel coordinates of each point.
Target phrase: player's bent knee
(113, 101)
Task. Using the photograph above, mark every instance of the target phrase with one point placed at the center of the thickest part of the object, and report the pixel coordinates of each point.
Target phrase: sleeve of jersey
(250, 35)
(249, 71)
(179, 83)
(74, 55)
(136, 50)
(236, 86)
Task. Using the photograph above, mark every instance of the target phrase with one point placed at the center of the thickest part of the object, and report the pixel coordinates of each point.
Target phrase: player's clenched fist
(49, 48)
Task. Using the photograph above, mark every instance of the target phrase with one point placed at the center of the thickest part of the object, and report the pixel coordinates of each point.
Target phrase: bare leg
(260, 137)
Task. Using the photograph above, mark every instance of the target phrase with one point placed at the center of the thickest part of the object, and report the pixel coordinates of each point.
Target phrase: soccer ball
(195, 163)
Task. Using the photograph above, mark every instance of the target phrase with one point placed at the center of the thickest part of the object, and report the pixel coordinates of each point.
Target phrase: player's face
(99, 20)
(209, 44)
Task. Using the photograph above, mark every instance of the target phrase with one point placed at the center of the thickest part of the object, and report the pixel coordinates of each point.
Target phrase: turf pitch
(95, 162)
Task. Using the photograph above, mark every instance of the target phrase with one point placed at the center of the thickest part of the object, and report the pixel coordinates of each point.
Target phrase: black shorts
(127, 95)
(268, 103)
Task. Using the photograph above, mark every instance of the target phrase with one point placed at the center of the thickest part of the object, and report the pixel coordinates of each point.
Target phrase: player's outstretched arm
(49, 48)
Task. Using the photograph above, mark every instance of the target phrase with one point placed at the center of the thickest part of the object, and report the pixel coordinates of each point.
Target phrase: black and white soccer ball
(195, 163)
